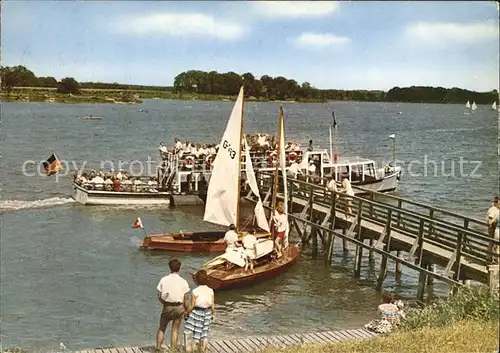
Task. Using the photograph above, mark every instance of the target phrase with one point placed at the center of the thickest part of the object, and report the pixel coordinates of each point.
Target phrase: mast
(239, 164)
(276, 170)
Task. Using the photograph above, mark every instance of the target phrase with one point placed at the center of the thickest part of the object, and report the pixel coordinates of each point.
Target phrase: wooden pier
(259, 343)
(424, 238)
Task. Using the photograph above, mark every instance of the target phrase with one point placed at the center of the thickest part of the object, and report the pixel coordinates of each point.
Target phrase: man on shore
(173, 294)
(492, 218)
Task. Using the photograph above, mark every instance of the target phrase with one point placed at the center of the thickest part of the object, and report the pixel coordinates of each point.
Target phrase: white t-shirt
(179, 146)
(312, 168)
(294, 168)
(492, 215)
(280, 221)
(203, 296)
(332, 185)
(231, 237)
(172, 288)
(249, 241)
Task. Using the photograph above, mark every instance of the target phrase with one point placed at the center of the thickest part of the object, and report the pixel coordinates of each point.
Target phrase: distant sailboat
(494, 106)
(474, 106)
(467, 105)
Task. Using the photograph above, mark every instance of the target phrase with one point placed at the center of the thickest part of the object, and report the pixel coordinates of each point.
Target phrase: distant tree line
(281, 88)
(265, 87)
(20, 76)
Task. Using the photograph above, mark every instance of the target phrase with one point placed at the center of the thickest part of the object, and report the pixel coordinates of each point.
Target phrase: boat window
(356, 172)
(369, 172)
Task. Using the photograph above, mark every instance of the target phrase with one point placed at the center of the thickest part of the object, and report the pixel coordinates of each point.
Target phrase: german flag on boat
(52, 165)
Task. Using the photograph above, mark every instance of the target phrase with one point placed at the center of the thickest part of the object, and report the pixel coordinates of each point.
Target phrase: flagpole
(334, 135)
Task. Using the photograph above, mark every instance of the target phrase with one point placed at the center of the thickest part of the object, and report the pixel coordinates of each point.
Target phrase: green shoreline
(117, 96)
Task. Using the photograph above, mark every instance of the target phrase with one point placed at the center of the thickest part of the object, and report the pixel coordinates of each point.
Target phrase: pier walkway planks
(259, 343)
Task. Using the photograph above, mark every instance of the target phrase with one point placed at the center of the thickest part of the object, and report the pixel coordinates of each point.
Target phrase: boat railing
(189, 162)
(411, 208)
(125, 186)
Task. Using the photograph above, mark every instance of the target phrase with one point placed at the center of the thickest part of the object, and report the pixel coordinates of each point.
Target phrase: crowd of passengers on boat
(263, 151)
(112, 181)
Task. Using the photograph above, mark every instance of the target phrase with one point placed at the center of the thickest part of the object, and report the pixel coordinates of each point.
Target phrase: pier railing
(420, 223)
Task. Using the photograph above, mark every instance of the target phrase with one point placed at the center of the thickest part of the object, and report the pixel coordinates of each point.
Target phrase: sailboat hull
(221, 279)
(190, 241)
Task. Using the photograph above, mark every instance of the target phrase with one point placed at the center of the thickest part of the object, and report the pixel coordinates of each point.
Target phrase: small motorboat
(91, 117)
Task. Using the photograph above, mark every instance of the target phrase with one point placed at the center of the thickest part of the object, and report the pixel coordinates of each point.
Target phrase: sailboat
(220, 277)
(494, 105)
(223, 194)
(467, 105)
(474, 106)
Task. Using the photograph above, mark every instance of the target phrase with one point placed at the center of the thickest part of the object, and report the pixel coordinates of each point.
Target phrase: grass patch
(473, 303)
(466, 337)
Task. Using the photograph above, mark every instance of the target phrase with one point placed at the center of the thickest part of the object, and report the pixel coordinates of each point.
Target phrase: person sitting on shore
(389, 315)
(199, 315)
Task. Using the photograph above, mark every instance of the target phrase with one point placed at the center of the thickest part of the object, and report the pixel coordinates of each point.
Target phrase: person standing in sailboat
(280, 221)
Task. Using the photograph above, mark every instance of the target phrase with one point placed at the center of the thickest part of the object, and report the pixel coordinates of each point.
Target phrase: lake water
(74, 274)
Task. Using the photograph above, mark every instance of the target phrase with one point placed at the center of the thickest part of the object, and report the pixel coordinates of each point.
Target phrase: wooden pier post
(371, 259)
(422, 280)
(398, 264)
(430, 279)
(358, 236)
(383, 263)
(331, 238)
(314, 235)
(494, 279)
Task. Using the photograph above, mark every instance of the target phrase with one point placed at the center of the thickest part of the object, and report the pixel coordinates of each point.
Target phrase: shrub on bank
(473, 303)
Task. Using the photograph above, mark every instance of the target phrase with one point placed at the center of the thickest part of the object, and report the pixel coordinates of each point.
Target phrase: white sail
(467, 105)
(474, 106)
(223, 190)
(252, 182)
(494, 106)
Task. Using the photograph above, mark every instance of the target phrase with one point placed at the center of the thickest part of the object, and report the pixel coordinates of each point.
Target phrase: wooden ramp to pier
(260, 343)
(422, 236)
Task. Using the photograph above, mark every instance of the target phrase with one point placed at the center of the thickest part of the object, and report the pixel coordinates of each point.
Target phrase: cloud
(187, 25)
(439, 32)
(320, 40)
(295, 9)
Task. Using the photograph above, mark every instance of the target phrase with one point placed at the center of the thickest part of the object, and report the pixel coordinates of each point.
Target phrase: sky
(340, 45)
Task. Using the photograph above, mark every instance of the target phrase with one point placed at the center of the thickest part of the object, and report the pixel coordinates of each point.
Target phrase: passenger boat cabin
(357, 170)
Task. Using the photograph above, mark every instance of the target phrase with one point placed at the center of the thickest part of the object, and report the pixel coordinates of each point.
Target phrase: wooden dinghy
(266, 267)
(191, 241)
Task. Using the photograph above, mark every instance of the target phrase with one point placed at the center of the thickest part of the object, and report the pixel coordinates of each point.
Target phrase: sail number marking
(227, 146)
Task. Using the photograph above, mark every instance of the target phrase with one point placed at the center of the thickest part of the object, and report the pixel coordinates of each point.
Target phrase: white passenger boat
(361, 172)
